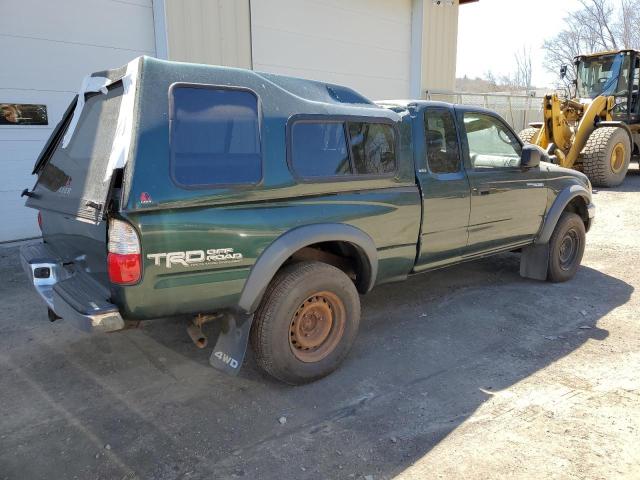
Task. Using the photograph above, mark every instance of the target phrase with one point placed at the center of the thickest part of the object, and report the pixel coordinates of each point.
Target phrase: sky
(490, 32)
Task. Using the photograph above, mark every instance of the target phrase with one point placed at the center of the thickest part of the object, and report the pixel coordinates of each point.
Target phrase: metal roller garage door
(364, 44)
(46, 48)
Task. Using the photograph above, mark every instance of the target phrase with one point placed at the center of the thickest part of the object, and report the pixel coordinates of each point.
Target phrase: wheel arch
(575, 198)
(301, 239)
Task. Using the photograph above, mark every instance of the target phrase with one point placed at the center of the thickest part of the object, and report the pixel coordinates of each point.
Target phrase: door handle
(483, 190)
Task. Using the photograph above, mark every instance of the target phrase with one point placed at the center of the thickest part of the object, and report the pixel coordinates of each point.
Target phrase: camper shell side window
(215, 136)
(330, 148)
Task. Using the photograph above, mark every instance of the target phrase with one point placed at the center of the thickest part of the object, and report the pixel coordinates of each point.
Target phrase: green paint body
(418, 221)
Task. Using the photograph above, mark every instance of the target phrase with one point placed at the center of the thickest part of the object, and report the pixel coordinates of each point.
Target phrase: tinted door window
(319, 149)
(443, 155)
(215, 136)
(491, 142)
(373, 148)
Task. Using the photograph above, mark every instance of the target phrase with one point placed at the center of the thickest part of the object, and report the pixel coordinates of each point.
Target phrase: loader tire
(527, 134)
(605, 157)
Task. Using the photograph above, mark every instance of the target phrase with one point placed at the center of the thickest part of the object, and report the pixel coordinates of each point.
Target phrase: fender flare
(274, 256)
(559, 204)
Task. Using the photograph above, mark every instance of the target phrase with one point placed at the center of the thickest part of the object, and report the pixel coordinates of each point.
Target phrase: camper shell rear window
(74, 179)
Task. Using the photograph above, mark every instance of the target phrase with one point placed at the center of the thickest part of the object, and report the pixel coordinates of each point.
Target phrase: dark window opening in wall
(23, 114)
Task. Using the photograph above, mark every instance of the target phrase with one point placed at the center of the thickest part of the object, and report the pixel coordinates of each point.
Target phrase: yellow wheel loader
(598, 131)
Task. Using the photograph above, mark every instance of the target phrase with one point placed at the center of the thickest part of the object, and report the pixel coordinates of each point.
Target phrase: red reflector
(124, 269)
(40, 220)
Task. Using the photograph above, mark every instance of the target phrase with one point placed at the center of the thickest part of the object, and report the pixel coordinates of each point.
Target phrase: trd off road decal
(212, 256)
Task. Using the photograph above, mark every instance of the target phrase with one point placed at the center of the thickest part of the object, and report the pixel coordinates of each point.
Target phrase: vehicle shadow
(429, 353)
(631, 182)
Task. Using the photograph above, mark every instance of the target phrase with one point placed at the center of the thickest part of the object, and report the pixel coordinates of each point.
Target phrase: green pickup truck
(268, 203)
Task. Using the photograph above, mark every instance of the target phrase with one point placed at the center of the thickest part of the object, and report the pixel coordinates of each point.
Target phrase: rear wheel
(306, 323)
(566, 248)
(606, 155)
(528, 134)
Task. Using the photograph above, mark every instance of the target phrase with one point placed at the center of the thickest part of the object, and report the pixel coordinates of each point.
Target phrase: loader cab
(614, 74)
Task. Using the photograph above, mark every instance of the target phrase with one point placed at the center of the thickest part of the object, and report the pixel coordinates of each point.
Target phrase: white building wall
(363, 44)
(382, 48)
(215, 32)
(46, 48)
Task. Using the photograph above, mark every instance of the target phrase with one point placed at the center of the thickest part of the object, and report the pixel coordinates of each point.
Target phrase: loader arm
(559, 115)
(599, 108)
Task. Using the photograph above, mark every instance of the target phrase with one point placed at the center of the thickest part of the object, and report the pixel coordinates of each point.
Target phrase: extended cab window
(491, 142)
(373, 148)
(443, 155)
(215, 136)
(319, 149)
(330, 148)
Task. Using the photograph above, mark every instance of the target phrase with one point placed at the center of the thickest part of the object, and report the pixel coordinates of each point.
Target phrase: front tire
(306, 323)
(566, 248)
(605, 157)
(529, 134)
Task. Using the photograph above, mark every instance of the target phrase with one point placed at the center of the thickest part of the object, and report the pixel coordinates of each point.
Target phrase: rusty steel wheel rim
(317, 327)
(617, 158)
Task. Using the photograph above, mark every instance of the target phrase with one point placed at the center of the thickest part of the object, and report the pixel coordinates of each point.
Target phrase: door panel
(506, 207)
(507, 202)
(445, 190)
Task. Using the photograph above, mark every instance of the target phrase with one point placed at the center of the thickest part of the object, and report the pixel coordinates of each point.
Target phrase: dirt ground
(470, 372)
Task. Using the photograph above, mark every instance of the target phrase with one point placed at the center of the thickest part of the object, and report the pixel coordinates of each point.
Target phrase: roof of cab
(604, 53)
(406, 104)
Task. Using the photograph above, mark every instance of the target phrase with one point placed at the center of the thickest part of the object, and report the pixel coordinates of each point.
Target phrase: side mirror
(532, 155)
(563, 70)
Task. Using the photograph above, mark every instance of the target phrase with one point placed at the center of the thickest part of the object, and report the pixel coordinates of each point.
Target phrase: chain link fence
(518, 110)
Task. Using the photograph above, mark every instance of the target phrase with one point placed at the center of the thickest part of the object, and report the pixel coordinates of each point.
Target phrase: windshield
(605, 75)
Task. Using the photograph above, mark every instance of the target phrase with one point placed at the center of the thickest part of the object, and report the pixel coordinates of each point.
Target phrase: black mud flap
(534, 262)
(231, 346)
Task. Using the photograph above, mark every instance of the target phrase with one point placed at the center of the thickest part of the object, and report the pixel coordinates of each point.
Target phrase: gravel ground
(469, 372)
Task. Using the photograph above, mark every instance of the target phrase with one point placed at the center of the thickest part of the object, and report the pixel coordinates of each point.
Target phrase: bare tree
(491, 78)
(597, 26)
(524, 68)
(520, 78)
(628, 27)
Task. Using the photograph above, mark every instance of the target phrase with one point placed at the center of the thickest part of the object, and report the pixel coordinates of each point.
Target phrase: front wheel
(606, 155)
(566, 248)
(529, 135)
(306, 323)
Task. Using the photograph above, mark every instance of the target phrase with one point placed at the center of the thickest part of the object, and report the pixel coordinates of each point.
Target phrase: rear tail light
(124, 262)
(40, 220)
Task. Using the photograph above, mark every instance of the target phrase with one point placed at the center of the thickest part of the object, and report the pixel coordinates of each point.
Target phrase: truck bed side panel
(390, 216)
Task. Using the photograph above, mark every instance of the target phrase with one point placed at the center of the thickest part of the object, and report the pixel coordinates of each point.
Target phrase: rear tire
(528, 134)
(566, 248)
(605, 157)
(306, 323)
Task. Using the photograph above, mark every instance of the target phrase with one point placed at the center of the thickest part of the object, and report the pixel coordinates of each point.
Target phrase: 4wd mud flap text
(231, 346)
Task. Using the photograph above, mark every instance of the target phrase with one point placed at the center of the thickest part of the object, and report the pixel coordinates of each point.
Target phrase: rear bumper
(72, 295)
